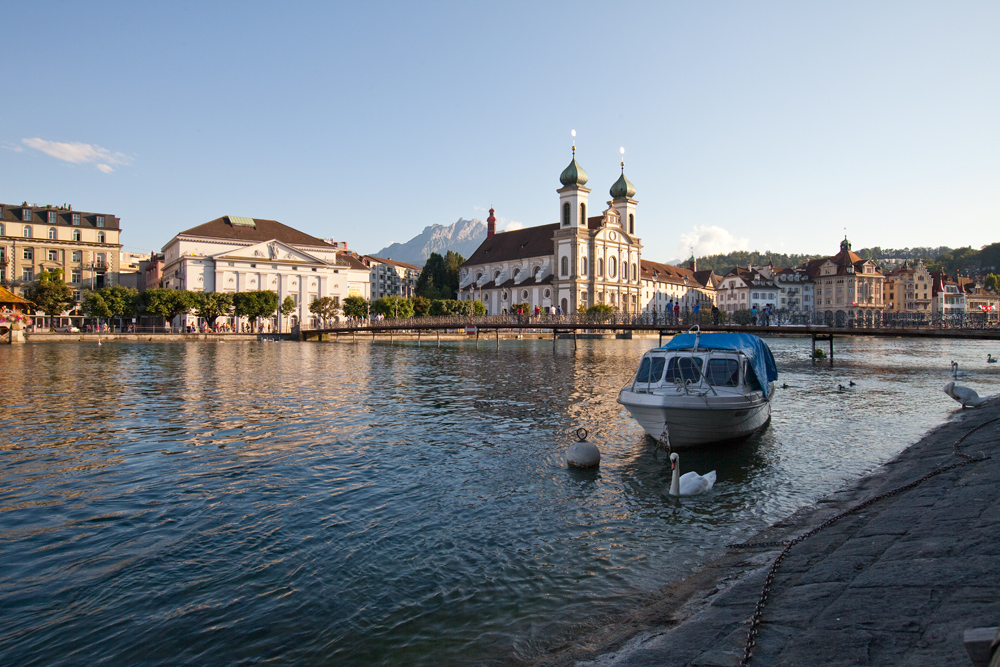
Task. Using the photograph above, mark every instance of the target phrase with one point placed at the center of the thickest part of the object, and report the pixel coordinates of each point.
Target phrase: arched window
(537, 272)
(624, 269)
(496, 275)
(565, 266)
(479, 276)
(583, 266)
(566, 214)
(631, 223)
(612, 266)
(516, 272)
(26, 232)
(600, 267)
(583, 215)
(52, 233)
(635, 271)
(100, 237)
(76, 234)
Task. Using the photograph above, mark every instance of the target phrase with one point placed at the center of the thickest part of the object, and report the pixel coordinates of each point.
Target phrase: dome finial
(574, 173)
(572, 133)
(623, 188)
(622, 151)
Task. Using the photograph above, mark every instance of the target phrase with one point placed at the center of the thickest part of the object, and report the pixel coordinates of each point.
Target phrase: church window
(517, 272)
(566, 214)
(631, 223)
(624, 269)
(600, 266)
(496, 275)
(612, 264)
(548, 293)
(524, 294)
(565, 266)
(479, 276)
(583, 215)
(635, 271)
(583, 264)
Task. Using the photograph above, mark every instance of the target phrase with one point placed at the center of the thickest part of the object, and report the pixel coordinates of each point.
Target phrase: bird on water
(690, 483)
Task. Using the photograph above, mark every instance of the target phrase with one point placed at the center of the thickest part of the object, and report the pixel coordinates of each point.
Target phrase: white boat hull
(697, 420)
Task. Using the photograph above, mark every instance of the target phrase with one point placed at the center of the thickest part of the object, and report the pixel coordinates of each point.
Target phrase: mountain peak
(463, 236)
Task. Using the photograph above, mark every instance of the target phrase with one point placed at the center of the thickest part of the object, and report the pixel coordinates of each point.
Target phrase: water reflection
(350, 504)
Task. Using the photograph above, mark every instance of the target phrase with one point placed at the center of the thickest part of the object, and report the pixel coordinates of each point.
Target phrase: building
(978, 299)
(795, 289)
(747, 288)
(908, 289)
(391, 278)
(666, 284)
(85, 246)
(236, 254)
(846, 285)
(947, 297)
(131, 269)
(570, 265)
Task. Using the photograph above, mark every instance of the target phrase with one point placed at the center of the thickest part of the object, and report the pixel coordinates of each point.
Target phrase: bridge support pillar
(498, 338)
(439, 337)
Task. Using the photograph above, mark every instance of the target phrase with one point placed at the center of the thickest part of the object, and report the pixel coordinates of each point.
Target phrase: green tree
(356, 306)
(439, 277)
(121, 301)
(166, 303)
(325, 308)
(254, 305)
(421, 306)
(478, 308)
(212, 305)
(392, 306)
(992, 282)
(95, 305)
(50, 294)
(600, 312)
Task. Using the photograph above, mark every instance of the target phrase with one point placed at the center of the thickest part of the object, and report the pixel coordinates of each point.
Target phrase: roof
(263, 230)
(351, 260)
(756, 350)
(392, 262)
(516, 244)
(12, 213)
(669, 273)
(6, 296)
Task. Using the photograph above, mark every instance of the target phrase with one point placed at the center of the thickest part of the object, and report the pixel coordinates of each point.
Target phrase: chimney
(491, 225)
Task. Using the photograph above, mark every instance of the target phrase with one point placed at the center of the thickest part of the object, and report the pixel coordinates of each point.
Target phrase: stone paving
(895, 584)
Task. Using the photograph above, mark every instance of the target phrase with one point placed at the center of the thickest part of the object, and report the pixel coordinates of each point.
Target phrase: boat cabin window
(723, 372)
(751, 379)
(682, 369)
(644, 374)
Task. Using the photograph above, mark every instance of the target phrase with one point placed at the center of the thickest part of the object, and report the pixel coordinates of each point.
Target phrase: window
(682, 369)
(53, 255)
(77, 255)
(611, 267)
(26, 215)
(27, 274)
(100, 221)
(565, 266)
(723, 372)
(524, 294)
(624, 270)
(548, 293)
(600, 266)
(76, 294)
(52, 217)
(100, 237)
(76, 234)
(631, 223)
(583, 215)
(28, 253)
(1, 229)
(583, 265)
(76, 276)
(75, 217)
(566, 214)
(52, 233)
(650, 369)
(101, 259)
(635, 271)
(26, 232)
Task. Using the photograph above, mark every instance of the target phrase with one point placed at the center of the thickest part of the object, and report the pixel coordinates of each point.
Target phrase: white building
(391, 278)
(572, 264)
(795, 288)
(666, 284)
(746, 288)
(234, 254)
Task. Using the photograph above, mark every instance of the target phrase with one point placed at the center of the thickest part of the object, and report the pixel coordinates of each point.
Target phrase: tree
(95, 305)
(992, 282)
(165, 302)
(121, 300)
(212, 305)
(421, 306)
(50, 294)
(255, 304)
(357, 307)
(392, 306)
(325, 308)
(439, 278)
(600, 312)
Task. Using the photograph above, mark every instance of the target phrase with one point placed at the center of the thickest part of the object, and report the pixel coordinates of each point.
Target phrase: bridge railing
(776, 318)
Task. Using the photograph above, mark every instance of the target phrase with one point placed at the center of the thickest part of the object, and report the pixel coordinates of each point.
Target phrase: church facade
(570, 265)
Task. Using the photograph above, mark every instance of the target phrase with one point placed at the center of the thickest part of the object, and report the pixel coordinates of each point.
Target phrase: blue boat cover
(758, 353)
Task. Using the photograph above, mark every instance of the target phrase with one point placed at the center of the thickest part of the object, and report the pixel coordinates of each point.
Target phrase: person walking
(670, 311)
(753, 315)
(677, 312)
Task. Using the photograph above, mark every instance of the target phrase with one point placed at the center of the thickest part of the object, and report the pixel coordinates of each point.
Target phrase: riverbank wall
(899, 581)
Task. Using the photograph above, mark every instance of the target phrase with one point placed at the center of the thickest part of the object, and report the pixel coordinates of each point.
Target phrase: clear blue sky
(754, 125)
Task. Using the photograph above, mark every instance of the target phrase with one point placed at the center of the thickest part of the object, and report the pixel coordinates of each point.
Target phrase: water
(338, 504)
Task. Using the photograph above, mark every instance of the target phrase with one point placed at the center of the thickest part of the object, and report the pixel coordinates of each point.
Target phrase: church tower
(573, 195)
(621, 200)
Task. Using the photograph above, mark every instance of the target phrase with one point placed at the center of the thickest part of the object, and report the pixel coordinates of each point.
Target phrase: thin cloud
(709, 240)
(512, 225)
(79, 153)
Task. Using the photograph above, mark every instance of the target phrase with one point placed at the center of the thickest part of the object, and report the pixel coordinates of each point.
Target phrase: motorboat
(703, 388)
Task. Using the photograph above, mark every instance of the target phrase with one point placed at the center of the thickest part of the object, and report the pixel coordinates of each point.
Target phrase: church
(572, 264)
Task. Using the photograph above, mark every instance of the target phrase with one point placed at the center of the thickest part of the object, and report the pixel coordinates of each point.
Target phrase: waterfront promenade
(896, 583)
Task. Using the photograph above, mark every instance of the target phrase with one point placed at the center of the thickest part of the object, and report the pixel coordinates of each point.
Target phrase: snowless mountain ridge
(463, 237)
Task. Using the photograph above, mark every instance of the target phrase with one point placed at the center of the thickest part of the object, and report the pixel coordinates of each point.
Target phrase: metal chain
(788, 544)
(664, 439)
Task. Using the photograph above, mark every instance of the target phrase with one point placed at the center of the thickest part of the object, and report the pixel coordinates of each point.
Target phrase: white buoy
(582, 454)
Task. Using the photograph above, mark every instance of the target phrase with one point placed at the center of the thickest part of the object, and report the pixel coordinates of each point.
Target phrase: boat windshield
(644, 374)
(723, 372)
(682, 369)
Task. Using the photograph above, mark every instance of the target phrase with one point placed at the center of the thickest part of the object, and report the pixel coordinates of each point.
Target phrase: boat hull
(698, 420)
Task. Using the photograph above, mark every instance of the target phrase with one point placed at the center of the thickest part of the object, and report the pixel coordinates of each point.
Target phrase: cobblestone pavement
(895, 584)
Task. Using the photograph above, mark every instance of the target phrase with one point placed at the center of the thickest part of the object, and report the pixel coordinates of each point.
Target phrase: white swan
(955, 373)
(967, 397)
(690, 483)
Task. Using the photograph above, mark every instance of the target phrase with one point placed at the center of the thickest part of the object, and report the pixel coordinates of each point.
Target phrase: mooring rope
(765, 593)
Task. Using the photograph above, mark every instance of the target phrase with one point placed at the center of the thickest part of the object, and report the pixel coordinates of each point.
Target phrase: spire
(574, 173)
(491, 225)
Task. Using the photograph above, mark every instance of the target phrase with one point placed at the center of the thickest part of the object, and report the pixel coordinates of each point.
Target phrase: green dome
(573, 174)
(623, 188)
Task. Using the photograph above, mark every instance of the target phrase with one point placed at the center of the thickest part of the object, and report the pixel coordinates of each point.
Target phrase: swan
(955, 372)
(990, 359)
(967, 397)
(690, 483)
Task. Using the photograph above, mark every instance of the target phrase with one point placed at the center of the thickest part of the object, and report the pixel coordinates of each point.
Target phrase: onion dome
(573, 174)
(623, 188)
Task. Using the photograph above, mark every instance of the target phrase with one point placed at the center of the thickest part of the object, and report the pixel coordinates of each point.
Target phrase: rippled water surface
(338, 504)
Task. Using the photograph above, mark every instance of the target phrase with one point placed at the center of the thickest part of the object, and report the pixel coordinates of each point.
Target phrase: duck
(990, 359)
(784, 386)
(841, 387)
(851, 383)
(955, 372)
(967, 397)
(690, 483)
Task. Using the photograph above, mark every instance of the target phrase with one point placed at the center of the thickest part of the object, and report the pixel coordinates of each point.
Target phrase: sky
(759, 125)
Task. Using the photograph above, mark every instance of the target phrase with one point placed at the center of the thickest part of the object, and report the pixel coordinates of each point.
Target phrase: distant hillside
(463, 237)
